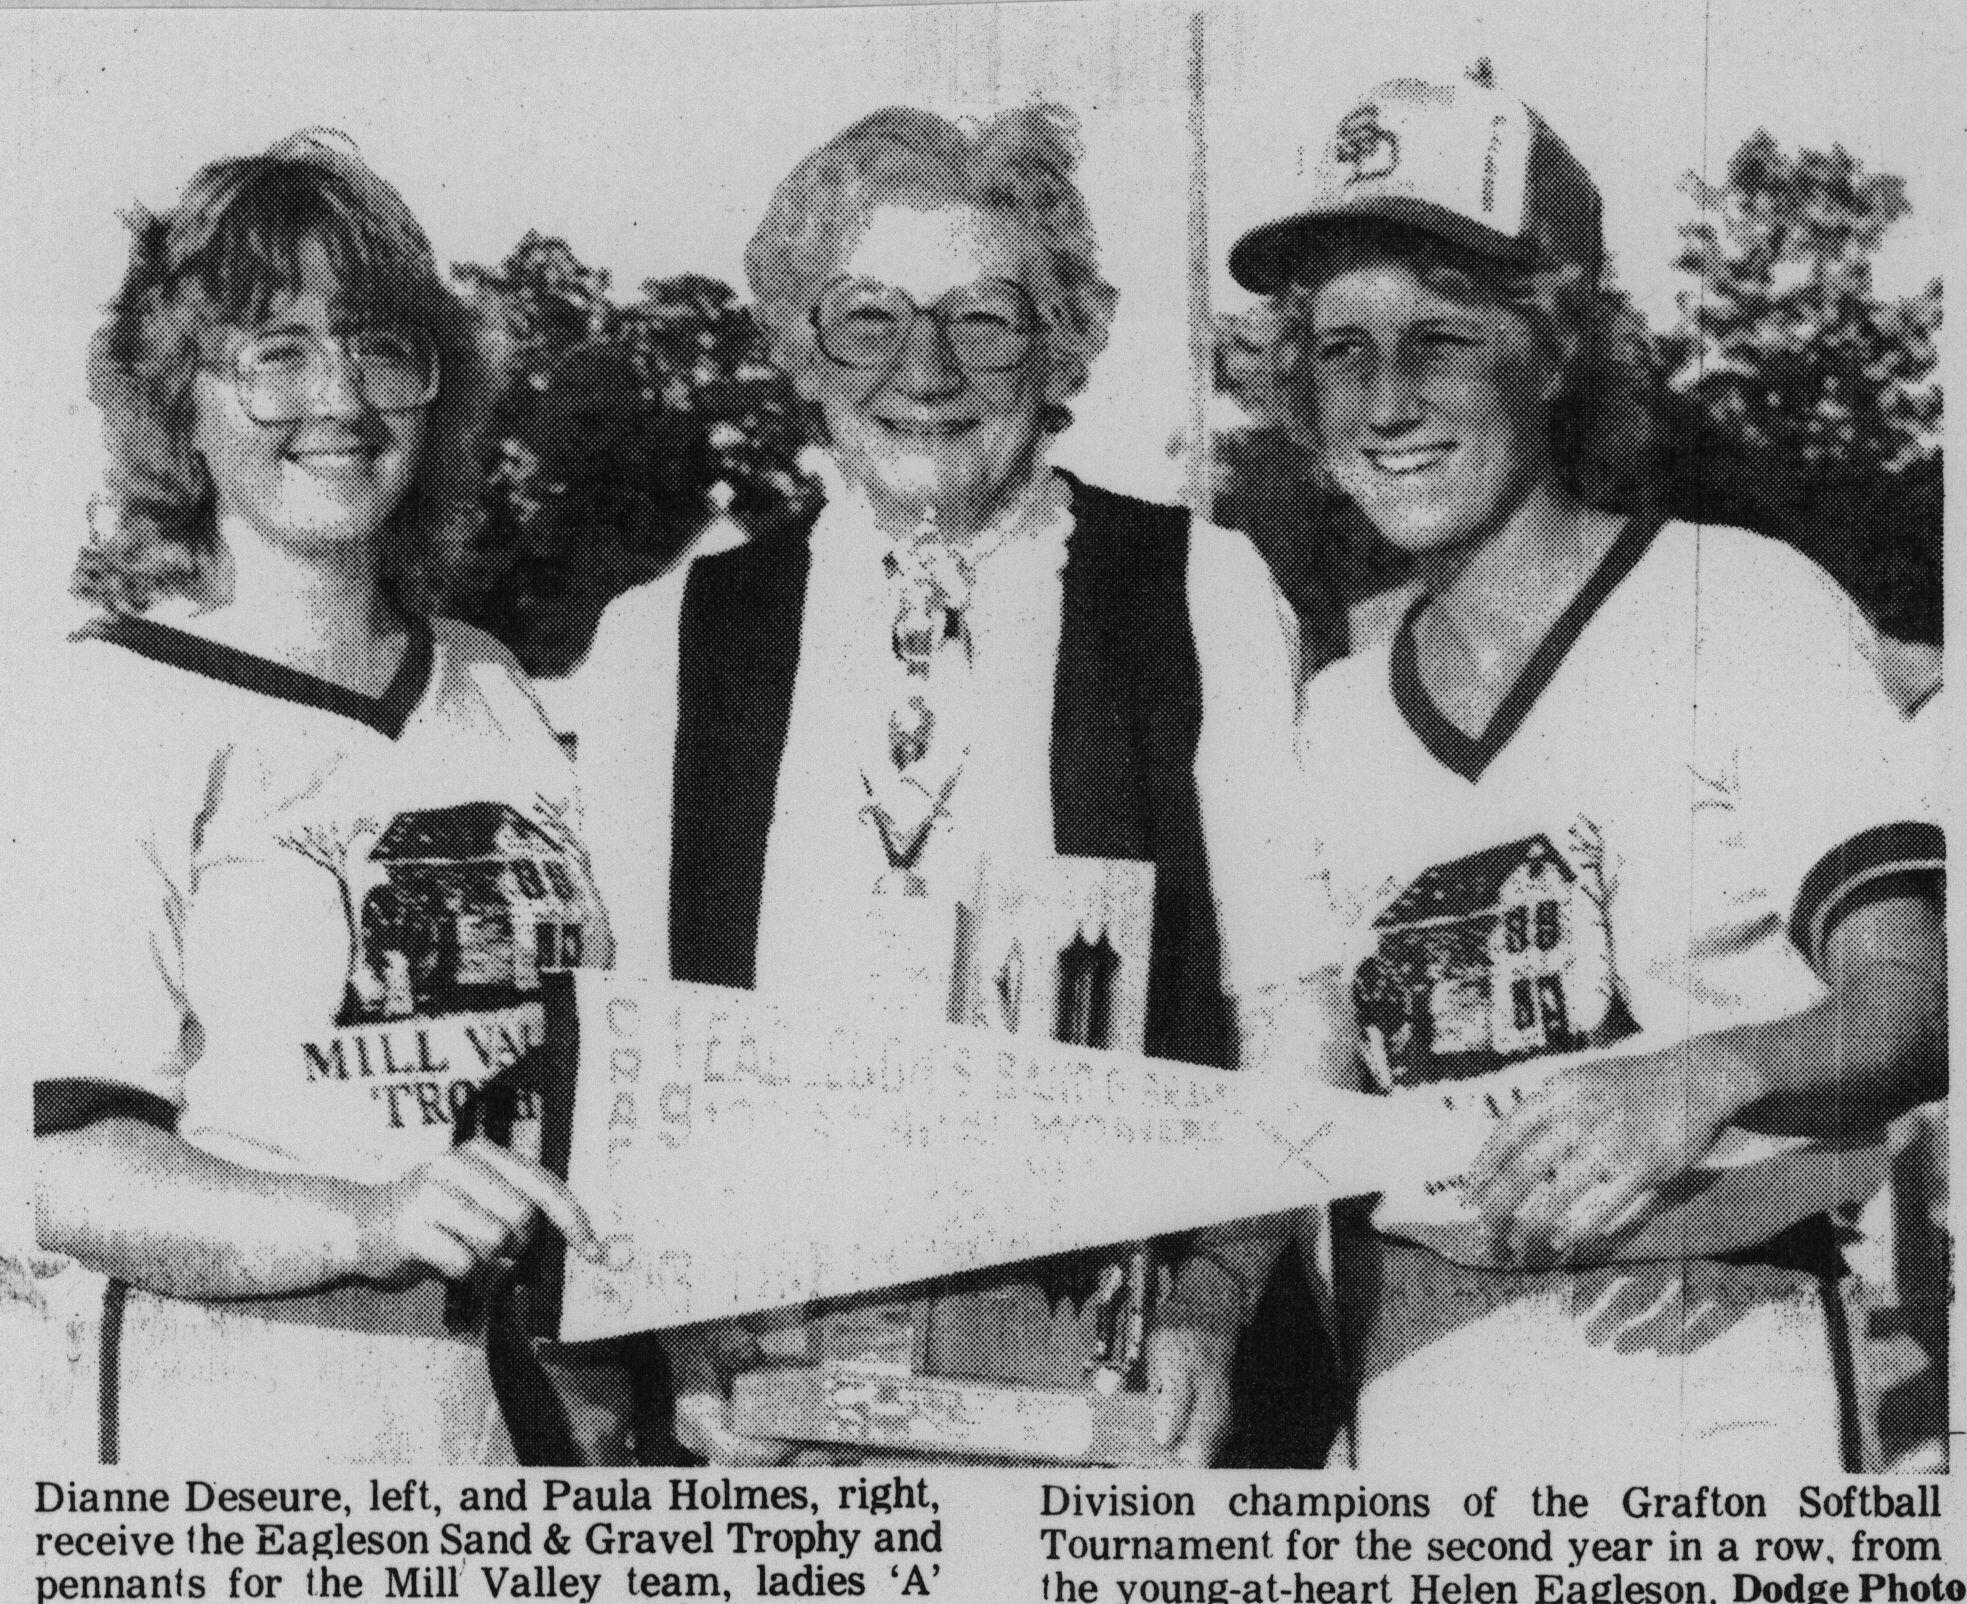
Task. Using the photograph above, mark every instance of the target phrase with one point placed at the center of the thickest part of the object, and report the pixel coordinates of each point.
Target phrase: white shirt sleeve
(1329, 743)
(1834, 786)
(620, 705)
(1247, 778)
(103, 978)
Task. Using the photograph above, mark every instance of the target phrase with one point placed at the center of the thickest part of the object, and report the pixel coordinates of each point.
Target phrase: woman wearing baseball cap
(1632, 848)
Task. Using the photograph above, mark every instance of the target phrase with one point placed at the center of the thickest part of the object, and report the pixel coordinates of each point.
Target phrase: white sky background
(652, 140)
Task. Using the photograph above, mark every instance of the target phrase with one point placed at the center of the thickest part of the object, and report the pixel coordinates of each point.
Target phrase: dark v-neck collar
(388, 713)
(1468, 755)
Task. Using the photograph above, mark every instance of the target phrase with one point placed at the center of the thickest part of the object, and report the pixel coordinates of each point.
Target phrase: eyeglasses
(989, 326)
(280, 375)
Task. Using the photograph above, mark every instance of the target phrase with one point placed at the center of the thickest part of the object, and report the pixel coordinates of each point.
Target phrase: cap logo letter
(1496, 126)
(1365, 145)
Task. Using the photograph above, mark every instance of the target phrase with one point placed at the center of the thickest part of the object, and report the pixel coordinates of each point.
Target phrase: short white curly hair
(1019, 164)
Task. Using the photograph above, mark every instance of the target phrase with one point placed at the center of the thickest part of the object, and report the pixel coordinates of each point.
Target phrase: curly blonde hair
(1019, 165)
(217, 259)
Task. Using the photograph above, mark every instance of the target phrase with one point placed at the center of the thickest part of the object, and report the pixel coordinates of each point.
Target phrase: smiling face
(922, 431)
(1433, 410)
(333, 476)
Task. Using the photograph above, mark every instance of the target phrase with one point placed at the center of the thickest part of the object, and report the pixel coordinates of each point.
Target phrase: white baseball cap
(1458, 160)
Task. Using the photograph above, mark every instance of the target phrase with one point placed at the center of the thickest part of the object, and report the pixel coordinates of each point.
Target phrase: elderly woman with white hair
(971, 653)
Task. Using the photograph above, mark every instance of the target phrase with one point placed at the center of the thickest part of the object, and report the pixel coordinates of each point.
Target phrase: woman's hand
(143, 1205)
(702, 1360)
(1577, 1162)
(476, 1204)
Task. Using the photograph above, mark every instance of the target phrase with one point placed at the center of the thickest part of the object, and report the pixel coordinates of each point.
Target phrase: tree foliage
(1784, 343)
(1800, 401)
(620, 432)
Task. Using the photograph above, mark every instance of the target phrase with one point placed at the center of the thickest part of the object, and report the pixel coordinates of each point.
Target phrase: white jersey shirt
(303, 926)
(1697, 774)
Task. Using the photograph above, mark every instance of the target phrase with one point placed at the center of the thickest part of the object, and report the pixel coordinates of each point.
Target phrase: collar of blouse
(1042, 509)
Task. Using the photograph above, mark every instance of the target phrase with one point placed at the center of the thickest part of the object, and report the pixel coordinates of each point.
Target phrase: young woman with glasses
(317, 830)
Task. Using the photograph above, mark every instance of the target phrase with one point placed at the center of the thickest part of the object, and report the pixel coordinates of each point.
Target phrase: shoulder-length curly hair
(234, 242)
(1603, 423)
(1019, 165)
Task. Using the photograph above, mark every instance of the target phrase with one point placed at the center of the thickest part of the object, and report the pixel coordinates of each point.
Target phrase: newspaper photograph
(1105, 799)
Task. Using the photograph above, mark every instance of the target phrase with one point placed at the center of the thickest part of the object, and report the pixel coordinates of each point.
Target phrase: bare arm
(141, 1204)
(1872, 1049)
(1574, 1160)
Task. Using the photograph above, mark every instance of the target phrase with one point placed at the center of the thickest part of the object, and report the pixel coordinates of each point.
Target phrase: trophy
(1035, 1362)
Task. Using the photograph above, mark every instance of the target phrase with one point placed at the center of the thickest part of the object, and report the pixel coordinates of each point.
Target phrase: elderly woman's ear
(1064, 379)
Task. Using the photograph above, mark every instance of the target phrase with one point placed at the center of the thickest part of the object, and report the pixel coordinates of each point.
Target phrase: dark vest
(1126, 716)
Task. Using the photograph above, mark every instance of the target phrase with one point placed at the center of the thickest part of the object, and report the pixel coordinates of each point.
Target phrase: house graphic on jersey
(1495, 957)
(475, 902)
